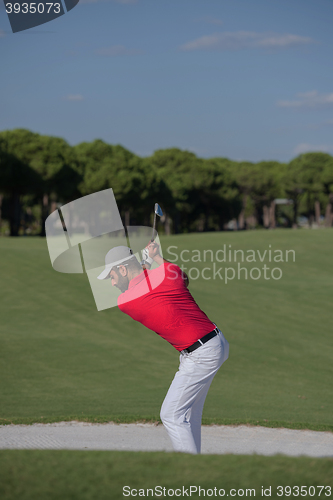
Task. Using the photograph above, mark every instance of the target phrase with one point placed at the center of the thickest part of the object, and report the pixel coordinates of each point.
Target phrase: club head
(158, 210)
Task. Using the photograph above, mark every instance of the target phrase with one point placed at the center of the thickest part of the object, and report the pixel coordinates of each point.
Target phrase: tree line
(38, 173)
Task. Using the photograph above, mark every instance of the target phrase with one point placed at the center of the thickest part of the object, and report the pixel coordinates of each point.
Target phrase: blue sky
(234, 78)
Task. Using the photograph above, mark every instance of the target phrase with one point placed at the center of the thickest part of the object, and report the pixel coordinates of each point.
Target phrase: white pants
(182, 407)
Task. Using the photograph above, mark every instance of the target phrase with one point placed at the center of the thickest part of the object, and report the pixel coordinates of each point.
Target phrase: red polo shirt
(160, 300)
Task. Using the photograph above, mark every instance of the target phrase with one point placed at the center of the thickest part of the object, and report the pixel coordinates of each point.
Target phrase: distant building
(283, 201)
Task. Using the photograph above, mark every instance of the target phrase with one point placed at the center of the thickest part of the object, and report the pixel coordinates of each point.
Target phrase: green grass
(78, 475)
(62, 359)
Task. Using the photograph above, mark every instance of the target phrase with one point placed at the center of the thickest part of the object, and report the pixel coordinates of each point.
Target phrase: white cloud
(283, 41)
(117, 50)
(305, 148)
(245, 40)
(74, 97)
(308, 100)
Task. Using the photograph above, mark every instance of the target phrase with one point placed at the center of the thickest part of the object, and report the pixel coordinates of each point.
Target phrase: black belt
(201, 341)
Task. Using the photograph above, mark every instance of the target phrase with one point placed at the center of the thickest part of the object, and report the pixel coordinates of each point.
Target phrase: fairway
(62, 359)
(77, 475)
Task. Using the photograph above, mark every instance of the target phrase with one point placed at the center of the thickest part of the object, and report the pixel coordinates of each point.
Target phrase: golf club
(157, 211)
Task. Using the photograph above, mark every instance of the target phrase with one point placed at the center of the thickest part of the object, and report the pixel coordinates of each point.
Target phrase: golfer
(160, 300)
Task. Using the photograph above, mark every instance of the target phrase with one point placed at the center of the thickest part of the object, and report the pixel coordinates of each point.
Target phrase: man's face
(119, 278)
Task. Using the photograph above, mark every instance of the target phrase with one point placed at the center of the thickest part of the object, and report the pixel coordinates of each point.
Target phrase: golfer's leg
(181, 411)
(196, 414)
(175, 413)
(205, 361)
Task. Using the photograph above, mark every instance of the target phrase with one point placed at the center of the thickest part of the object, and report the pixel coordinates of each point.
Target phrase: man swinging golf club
(160, 300)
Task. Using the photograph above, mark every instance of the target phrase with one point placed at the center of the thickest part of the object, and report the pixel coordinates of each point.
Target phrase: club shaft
(154, 226)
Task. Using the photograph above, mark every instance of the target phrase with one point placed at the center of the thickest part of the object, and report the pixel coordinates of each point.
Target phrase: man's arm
(154, 253)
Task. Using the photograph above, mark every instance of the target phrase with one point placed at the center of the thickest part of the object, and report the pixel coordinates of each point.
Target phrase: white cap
(114, 257)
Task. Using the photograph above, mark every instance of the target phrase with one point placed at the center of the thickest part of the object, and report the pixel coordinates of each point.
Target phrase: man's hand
(154, 253)
(150, 254)
(146, 260)
(153, 250)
